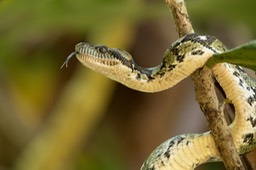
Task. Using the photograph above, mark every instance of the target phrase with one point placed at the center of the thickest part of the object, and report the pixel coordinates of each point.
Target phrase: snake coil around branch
(180, 60)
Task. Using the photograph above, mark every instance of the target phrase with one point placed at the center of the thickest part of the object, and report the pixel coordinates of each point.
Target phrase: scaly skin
(180, 60)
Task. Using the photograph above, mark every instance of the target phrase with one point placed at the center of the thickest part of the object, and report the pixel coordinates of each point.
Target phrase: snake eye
(102, 49)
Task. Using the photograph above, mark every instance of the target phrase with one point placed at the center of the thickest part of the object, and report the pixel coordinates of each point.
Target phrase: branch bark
(180, 16)
(214, 113)
(206, 95)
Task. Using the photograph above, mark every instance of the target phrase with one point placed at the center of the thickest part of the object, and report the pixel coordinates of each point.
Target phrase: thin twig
(206, 95)
(180, 16)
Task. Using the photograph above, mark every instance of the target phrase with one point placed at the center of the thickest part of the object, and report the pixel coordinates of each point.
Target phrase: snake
(181, 59)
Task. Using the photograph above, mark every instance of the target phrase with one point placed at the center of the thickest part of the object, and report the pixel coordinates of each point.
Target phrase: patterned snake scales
(181, 59)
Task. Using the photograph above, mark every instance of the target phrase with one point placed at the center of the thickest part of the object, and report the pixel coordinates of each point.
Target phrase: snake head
(108, 61)
(102, 56)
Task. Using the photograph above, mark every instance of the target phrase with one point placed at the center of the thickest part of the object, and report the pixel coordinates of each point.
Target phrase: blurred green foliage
(36, 37)
(228, 11)
(31, 30)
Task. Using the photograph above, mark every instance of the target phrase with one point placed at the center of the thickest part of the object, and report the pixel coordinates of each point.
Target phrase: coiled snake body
(181, 59)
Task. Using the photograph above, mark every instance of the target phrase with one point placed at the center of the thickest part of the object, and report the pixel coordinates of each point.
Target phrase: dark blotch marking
(251, 99)
(248, 138)
(161, 74)
(253, 89)
(164, 68)
(150, 78)
(236, 73)
(252, 121)
(152, 168)
(180, 58)
(195, 38)
(128, 63)
(167, 154)
(180, 139)
(240, 69)
(197, 52)
(138, 77)
(176, 52)
(170, 144)
(171, 67)
(141, 70)
(241, 83)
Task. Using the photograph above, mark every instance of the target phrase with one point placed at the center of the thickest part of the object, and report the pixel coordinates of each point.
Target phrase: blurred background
(76, 119)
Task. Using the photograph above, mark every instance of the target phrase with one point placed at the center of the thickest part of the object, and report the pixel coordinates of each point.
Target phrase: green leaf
(244, 55)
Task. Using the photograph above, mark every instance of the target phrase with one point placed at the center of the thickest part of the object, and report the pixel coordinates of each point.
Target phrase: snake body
(180, 60)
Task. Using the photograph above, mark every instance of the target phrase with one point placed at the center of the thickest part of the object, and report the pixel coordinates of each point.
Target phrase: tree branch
(206, 95)
(214, 113)
(180, 16)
